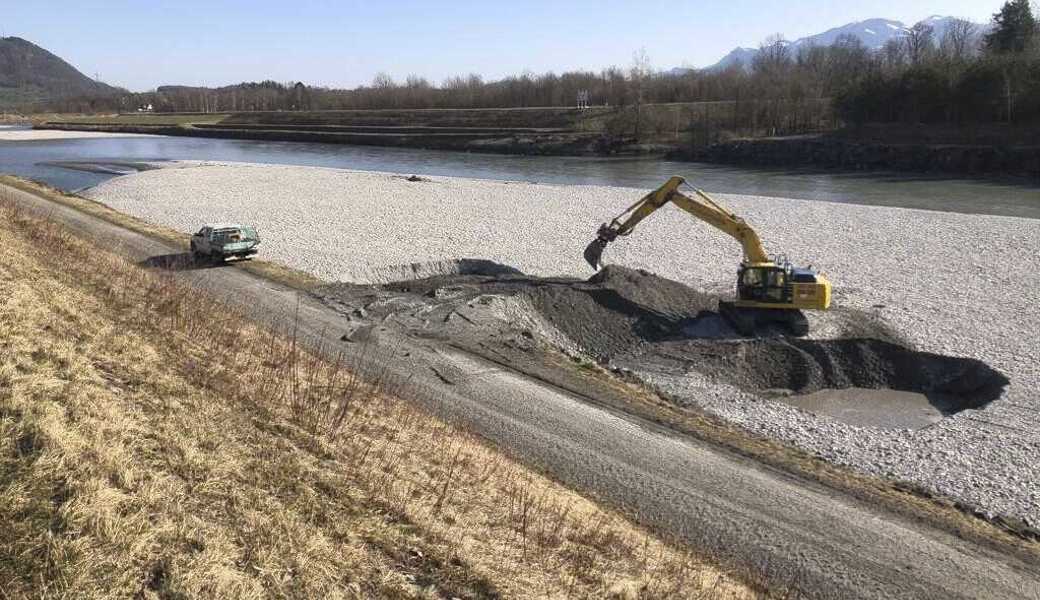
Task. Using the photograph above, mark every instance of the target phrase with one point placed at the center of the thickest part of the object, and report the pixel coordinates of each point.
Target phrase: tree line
(959, 76)
(749, 99)
(962, 77)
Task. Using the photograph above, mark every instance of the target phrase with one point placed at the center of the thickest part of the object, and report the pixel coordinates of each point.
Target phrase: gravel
(951, 284)
(21, 134)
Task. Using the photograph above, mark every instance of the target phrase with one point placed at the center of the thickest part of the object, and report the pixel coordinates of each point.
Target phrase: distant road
(830, 545)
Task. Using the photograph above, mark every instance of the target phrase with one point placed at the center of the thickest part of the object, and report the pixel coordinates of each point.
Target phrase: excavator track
(749, 321)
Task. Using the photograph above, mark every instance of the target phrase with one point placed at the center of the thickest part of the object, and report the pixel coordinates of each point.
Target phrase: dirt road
(784, 527)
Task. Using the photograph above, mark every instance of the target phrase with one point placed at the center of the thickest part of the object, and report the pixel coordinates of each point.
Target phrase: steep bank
(532, 143)
(848, 154)
(533, 131)
(157, 443)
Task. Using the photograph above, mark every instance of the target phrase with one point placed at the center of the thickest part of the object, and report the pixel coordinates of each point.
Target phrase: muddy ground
(633, 322)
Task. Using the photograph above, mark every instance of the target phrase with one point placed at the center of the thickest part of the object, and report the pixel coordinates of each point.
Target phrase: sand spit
(951, 284)
(21, 134)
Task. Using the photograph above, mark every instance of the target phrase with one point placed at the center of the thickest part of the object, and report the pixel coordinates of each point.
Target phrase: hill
(29, 73)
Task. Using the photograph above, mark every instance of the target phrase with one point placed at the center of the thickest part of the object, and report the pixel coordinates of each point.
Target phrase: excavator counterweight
(768, 290)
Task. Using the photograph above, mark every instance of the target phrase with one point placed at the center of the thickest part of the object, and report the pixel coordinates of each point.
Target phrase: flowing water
(36, 160)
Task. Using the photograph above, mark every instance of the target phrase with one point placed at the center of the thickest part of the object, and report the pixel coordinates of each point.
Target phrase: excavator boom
(702, 207)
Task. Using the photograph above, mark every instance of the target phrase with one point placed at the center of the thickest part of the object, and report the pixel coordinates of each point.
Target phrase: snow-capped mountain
(874, 33)
(736, 56)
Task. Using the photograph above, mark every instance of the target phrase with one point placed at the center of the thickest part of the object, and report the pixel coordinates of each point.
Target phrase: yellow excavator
(769, 290)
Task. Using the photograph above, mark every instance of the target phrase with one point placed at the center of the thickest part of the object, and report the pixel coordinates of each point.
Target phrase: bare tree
(416, 82)
(383, 81)
(919, 42)
(774, 55)
(960, 41)
(773, 79)
(639, 72)
(893, 54)
(846, 57)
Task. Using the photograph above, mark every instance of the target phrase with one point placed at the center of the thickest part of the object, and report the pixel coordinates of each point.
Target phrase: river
(34, 159)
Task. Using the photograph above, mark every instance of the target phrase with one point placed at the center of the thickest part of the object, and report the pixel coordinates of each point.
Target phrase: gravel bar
(952, 284)
(22, 134)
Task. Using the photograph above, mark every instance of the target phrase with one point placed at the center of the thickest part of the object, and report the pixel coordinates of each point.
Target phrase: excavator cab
(764, 284)
(783, 285)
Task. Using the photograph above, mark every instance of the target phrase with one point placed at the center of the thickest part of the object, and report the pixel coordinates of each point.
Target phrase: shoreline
(830, 152)
(536, 144)
(824, 152)
(15, 133)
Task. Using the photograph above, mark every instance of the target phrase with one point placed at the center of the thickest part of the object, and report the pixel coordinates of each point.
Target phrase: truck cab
(221, 241)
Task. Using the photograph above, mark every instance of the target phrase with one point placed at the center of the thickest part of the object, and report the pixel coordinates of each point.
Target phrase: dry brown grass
(155, 444)
(156, 119)
(273, 271)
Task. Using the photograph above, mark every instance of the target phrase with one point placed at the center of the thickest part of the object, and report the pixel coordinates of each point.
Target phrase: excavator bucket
(594, 252)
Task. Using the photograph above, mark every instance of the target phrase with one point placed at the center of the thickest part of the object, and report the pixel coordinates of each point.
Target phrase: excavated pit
(860, 381)
(867, 376)
(864, 374)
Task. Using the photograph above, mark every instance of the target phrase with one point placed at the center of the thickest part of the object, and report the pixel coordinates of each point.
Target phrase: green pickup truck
(224, 240)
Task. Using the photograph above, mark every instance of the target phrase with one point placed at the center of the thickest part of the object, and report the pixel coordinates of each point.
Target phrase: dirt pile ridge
(636, 320)
(620, 309)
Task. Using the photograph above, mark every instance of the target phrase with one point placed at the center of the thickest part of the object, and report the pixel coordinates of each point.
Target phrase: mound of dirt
(620, 309)
(656, 321)
(639, 321)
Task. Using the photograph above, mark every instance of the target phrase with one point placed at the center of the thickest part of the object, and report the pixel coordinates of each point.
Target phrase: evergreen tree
(1013, 28)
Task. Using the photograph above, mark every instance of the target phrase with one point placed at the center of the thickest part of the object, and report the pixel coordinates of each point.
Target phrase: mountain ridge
(874, 33)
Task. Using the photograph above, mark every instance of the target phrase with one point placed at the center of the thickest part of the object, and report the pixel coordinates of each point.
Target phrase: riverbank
(82, 163)
(533, 143)
(851, 154)
(535, 131)
(149, 457)
(18, 133)
(594, 132)
(371, 227)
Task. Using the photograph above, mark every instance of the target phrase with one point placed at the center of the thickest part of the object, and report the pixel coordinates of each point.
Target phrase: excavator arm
(701, 207)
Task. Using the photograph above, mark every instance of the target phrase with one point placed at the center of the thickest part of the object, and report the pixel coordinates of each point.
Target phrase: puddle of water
(883, 408)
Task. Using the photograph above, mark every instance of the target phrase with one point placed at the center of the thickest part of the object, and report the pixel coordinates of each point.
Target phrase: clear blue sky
(144, 43)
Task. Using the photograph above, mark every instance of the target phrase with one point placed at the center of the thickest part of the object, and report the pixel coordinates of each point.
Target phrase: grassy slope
(535, 117)
(143, 119)
(141, 454)
(274, 271)
(905, 499)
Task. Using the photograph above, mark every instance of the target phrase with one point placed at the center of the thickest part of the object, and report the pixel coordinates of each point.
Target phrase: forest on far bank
(965, 76)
